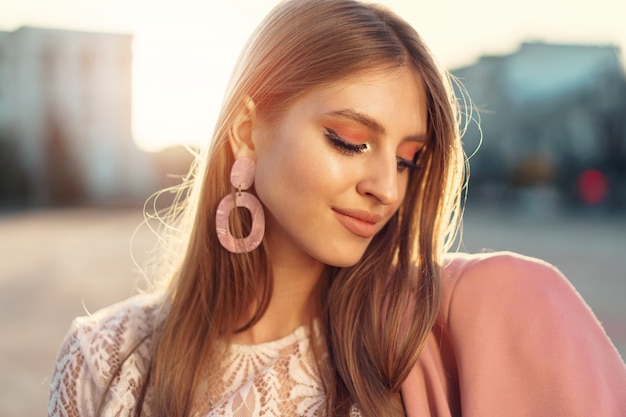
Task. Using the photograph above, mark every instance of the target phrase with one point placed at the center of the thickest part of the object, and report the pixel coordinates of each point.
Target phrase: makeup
(358, 222)
(343, 145)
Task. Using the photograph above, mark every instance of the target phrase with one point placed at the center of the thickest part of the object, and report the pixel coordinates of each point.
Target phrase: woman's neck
(292, 304)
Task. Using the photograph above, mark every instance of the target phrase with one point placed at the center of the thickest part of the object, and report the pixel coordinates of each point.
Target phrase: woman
(330, 292)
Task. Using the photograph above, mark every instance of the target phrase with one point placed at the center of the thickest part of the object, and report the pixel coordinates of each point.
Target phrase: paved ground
(54, 264)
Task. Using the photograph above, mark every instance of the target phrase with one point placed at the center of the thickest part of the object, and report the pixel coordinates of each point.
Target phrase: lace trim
(278, 378)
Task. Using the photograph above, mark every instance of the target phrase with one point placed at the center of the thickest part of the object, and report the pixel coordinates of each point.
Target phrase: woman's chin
(345, 261)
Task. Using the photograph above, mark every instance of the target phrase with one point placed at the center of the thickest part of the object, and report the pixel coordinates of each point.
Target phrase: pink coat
(514, 339)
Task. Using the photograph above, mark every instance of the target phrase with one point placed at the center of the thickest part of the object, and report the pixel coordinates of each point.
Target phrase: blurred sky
(184, 49)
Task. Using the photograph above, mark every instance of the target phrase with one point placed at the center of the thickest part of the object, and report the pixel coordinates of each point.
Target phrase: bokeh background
(96, 98)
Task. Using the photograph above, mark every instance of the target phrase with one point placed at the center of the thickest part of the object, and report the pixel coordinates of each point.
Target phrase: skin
(324, 201)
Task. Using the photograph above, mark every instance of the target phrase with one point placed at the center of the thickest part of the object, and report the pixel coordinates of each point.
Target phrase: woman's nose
(380, 179)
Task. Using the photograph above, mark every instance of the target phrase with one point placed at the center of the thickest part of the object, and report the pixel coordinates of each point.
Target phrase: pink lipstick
(361, 223)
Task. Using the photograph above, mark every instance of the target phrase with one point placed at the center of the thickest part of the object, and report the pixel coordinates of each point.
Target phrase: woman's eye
(411, 164)
(404, 164)
(345, 147)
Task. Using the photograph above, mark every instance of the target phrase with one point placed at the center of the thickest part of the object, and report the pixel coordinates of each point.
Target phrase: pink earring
(241, 177)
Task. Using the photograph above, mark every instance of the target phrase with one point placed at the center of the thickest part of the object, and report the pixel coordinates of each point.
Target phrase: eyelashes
(344, 146)
(348, 148)
(405, 163)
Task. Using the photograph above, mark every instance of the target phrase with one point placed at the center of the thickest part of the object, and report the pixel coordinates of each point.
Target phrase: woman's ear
(241, 131)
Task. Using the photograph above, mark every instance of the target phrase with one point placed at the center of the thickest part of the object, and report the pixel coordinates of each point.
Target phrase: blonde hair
(374, 316)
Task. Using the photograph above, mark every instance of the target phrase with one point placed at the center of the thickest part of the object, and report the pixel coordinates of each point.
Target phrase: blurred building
(548, 113)
(65, 118)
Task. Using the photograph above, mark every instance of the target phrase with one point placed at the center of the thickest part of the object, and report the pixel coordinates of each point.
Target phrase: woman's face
(334, 169)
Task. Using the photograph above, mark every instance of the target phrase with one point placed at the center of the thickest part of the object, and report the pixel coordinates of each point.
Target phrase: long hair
(374, 316)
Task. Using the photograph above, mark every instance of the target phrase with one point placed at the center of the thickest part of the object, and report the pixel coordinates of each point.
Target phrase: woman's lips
(361, 223)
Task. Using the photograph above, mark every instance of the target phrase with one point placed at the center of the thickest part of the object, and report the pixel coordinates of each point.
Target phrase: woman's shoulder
(136, 314)
(505, 279)
(493, 264)
(522, 334)
(110, 346)
(108, 335)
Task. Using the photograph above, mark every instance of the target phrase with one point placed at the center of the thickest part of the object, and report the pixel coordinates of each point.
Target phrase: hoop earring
(241, 177)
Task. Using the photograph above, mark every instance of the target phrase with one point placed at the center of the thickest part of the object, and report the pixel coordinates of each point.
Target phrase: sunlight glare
(184, 51)
(183, 56)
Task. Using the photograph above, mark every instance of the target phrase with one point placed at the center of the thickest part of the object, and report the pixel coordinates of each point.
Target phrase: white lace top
(278, 378)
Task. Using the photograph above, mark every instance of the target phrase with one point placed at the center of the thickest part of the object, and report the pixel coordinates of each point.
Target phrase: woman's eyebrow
(418, 138)
(370, 123)
(361, 119)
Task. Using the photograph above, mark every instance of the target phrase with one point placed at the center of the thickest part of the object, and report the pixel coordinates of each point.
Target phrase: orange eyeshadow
(407, 150)
(348, 133)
